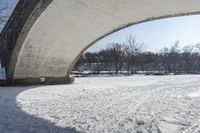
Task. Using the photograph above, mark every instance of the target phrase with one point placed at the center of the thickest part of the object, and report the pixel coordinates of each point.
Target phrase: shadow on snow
(14, 120)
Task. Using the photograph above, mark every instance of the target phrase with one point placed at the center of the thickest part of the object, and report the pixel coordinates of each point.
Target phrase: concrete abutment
(44, 38)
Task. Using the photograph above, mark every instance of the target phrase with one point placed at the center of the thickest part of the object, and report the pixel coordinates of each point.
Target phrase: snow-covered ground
(135, 104)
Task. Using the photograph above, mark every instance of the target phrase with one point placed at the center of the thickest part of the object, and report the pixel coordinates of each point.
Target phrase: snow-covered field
(135, 104)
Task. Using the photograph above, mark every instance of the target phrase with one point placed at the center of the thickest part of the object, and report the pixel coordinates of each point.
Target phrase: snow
(133, 104)
(194, 94)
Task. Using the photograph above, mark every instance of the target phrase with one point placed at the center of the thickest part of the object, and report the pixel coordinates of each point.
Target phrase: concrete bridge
(43, 39)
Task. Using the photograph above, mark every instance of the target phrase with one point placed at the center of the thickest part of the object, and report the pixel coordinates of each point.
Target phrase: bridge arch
(45, 38)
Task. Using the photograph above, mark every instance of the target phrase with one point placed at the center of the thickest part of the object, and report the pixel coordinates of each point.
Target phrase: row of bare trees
(186, 59)
(132, 57)
(125, 54)
(115, 57)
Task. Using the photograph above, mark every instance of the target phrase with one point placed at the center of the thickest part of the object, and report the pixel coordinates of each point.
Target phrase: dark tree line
(130, 57)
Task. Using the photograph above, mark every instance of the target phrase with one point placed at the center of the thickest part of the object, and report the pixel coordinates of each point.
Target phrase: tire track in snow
(131, 108)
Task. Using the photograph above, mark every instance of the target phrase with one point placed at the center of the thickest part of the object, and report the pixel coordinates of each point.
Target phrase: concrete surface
(56, 32)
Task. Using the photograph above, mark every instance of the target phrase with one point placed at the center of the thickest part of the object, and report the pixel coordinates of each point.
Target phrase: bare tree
(174, 56)
(132, 50)
(165, 59)
(187, 57)
(3, 14)
(170, 57)
(198, 46)
(127, 57)
(116, 55)
(188, 49)
(97, 65)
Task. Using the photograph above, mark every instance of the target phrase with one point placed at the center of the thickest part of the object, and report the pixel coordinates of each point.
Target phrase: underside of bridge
(43, 39)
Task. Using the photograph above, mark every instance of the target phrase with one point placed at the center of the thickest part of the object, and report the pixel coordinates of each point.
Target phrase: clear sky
(11, 4)
(158, 34)
(155, 34)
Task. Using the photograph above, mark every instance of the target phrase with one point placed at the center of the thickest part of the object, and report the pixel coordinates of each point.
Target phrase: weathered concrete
(15, 32)
(44, 38)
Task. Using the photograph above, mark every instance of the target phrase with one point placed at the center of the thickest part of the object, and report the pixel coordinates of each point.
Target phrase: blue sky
(158, 34)
(155, 34)
(11, 4)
